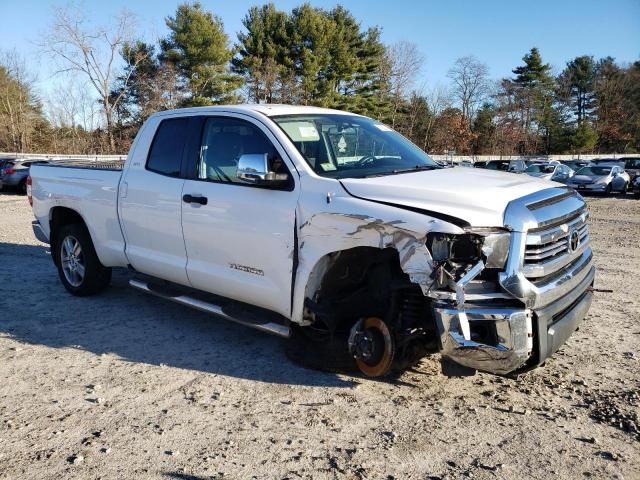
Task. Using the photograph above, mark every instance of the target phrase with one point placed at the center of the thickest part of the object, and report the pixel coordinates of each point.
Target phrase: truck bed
(91, 190)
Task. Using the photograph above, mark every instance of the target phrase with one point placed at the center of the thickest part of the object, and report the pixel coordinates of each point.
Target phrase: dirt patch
(123, 385)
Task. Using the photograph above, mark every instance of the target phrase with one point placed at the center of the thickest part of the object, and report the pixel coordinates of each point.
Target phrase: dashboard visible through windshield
(350, 146)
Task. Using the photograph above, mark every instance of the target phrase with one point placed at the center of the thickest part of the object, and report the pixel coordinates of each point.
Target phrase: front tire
(79, 268)
(608, 190)
(318, 349)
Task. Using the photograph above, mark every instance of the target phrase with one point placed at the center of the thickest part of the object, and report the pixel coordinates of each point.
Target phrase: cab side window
(224, 141)
(165, 154)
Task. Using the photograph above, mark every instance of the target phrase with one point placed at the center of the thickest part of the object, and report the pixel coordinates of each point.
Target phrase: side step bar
(269, 327)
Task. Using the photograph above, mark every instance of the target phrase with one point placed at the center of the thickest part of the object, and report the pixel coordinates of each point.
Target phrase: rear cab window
(165, 154)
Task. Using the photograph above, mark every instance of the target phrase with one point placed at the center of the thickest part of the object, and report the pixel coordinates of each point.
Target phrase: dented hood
(476, 196)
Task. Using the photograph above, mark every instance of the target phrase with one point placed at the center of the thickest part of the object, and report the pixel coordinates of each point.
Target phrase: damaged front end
(513, 300)
(480, 326)
(499, 300)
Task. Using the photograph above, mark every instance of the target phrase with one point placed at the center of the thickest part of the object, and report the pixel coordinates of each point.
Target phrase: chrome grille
(543, 266)
(550, 249)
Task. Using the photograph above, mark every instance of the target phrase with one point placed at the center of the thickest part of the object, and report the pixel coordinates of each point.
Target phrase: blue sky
(498, 32)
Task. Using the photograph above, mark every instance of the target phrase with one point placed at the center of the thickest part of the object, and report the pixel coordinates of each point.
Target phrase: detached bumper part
(501, 340)
(494, 340)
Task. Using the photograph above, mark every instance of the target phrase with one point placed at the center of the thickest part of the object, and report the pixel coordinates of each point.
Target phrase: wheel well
(354, 282)
(58, 218)
(366, 282)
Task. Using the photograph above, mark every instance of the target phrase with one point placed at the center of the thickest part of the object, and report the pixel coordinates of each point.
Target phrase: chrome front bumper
(502, 340)
(498, 340)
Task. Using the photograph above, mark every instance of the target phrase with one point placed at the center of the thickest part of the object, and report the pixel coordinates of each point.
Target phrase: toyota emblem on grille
(574, 241)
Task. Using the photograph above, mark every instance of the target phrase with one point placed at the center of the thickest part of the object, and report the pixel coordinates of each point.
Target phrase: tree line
(308, 56)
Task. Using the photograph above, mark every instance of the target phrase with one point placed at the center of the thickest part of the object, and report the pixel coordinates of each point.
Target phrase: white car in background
(554, 171)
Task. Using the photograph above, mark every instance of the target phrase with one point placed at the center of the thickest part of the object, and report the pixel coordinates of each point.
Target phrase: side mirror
(254, 168)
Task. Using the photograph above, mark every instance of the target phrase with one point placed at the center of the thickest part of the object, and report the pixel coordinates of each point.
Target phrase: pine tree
(534, 93)
(263, 55)
(577, 86)
(199, 48)
(484, 129)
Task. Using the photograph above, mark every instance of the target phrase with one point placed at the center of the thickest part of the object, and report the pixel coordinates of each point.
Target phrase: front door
(239, 238)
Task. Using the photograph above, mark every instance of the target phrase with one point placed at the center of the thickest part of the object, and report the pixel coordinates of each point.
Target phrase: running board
(189, 301)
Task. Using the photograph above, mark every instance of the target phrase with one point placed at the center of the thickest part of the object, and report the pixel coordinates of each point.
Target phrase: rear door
(150, 204)
(240, 240)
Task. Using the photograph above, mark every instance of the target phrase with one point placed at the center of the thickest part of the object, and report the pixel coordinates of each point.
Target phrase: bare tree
(73, 112)
(438, 100)
(470, 84)
(403, 62)
(19, 108)
(91, 51)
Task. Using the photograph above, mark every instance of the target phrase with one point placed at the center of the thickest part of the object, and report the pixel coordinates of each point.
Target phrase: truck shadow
(35, 309)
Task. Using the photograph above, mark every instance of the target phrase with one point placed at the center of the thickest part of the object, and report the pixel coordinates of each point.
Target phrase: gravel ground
(123, 385)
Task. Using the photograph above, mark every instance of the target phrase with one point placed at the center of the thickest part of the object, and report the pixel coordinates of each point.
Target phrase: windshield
(349, 146)
(632, 163)
(537, 168)
(575, 165)
(594, 171)
(503, 166)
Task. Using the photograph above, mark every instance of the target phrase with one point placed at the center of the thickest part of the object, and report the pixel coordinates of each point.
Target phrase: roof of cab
(268, 110)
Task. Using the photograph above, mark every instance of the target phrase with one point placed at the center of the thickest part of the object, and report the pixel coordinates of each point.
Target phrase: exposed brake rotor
(372, 346)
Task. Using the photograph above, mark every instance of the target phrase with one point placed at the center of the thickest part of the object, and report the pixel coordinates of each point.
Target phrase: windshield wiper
(417, 168)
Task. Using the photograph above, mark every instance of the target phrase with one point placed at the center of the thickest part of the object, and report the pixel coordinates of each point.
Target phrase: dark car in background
(575, 165)
(632, 166)
(608, 162)
(514, 166)
(14, 173)
(635, 186)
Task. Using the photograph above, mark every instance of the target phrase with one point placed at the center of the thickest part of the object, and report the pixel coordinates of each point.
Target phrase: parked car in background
(608, 162)
(553, 171)
(636, 186)
(600, 178)
(3, 162)
(14, 173)
(444, 163)
(575, 165)
(632, 166)
(514, 166)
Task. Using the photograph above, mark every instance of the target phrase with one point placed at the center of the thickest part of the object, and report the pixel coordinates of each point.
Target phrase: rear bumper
(39, 232)
(503, 340)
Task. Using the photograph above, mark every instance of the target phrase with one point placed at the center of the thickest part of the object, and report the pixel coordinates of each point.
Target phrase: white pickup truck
(330, 229)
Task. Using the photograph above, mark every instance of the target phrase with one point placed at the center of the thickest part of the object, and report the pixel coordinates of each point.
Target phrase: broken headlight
(460, 251)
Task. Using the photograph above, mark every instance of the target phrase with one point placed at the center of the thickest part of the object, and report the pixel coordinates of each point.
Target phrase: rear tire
(79, 268)
(22, 187)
